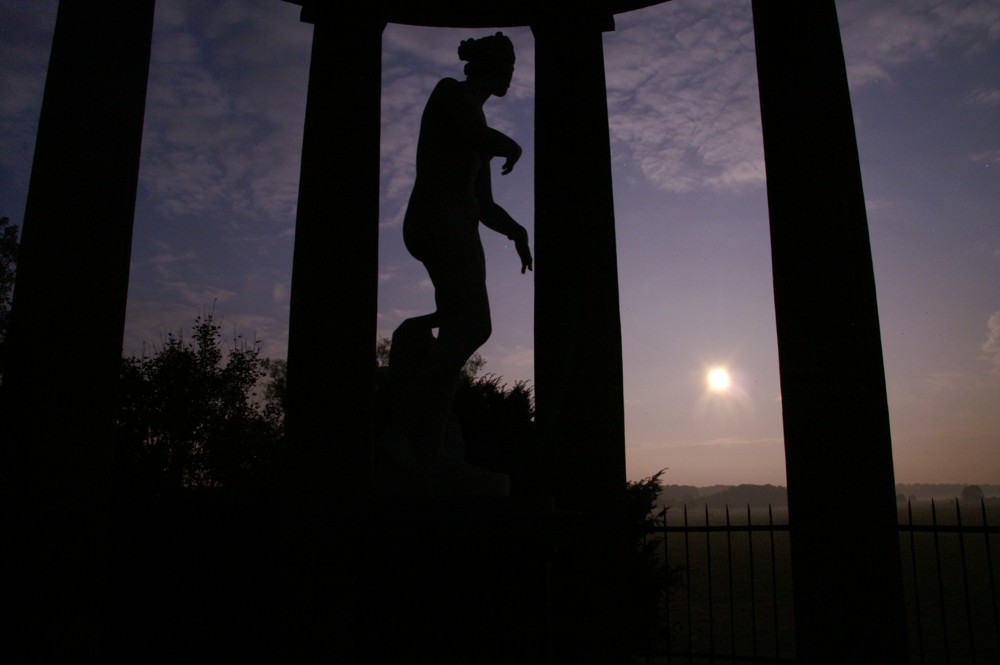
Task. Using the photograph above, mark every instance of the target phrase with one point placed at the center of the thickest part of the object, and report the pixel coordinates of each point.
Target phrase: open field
(735, 597)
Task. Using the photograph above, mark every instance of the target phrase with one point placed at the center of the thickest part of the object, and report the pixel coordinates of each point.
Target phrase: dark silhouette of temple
(60, 408)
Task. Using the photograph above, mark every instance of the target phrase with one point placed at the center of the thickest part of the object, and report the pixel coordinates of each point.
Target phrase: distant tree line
(916, 491)
(719, 496)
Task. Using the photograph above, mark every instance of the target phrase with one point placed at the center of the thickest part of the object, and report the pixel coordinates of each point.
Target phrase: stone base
(445, 479)
(439, 580)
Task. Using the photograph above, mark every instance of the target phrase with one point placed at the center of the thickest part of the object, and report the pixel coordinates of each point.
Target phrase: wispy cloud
(880, 36)
(722, 442)
(682, 94)
(682, 84)
(403, 97)
(992, 344)
(985, 97)
(519, 357)
(165, 258)
(735, 441)
(225, 108)
(946, 382)
(150, 321)
(986, 157)
(25, 39)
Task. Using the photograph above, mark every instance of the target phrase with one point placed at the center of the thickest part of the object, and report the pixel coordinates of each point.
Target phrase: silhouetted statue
(452, 194)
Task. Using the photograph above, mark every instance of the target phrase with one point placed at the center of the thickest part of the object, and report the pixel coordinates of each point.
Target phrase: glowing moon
(718, 380)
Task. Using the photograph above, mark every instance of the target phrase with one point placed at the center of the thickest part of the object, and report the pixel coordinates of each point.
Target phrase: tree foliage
(649, 579)
(197, 414)
(8, 268)
(496, 419)
(972, 494)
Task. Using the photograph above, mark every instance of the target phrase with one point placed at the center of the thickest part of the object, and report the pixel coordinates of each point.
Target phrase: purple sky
(218, 184)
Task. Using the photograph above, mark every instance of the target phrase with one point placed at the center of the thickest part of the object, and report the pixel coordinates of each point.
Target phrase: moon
(718, 380)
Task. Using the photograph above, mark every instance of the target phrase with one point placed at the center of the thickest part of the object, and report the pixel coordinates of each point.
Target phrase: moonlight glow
(718, 380)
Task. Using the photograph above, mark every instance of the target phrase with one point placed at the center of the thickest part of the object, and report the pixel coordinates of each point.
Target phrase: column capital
(582, 19)
(323, 11)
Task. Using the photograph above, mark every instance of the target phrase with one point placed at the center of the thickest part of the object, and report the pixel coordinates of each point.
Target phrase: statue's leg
(463, 311)
(416, 452)
(411, 341)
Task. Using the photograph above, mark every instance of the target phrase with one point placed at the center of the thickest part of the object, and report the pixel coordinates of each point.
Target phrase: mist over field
(758, 496)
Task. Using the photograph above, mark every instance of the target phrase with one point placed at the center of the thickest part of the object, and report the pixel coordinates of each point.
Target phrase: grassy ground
(736, 598)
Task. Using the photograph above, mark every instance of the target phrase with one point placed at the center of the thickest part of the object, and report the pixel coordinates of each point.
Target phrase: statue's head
(490, 59)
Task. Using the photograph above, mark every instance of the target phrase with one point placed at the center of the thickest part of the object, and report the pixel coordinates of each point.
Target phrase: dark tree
(196, 414)
(972, 494)
(275, 390)
(8, 268)
(497, 422)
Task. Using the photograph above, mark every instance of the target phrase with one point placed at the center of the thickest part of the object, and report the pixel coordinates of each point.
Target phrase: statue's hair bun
(491, 49)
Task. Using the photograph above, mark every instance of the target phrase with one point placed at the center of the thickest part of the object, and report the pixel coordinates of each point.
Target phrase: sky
(215, 214)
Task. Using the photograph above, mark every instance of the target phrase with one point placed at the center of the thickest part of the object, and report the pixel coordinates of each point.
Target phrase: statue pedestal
(403, 580)
(436, 580)
(448, 479)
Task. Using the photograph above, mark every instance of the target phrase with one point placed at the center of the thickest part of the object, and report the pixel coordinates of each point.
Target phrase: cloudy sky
(218, 183)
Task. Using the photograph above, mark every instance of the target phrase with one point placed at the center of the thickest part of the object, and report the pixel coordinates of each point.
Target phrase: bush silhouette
(649, 580)
(496, 419)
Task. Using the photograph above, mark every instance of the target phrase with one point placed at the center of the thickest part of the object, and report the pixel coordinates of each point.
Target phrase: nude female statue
(452, 195)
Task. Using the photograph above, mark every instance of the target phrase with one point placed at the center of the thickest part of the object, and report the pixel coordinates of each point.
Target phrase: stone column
(578, 354)
(59, 395)
(331, 345)
(845, 547)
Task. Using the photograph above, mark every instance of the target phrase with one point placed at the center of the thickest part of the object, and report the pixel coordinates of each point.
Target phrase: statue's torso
(448, 159)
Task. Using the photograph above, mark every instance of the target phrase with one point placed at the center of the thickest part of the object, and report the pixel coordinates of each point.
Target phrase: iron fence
(949, 569)
(733, 603)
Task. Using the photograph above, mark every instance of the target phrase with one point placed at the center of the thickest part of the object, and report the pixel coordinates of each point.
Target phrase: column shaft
(845, 547)
(65, 340)
(331, 346)
(578, 354)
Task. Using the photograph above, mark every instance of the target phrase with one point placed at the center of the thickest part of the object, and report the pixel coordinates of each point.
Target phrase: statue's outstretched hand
(523, 250)
(513, 154)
